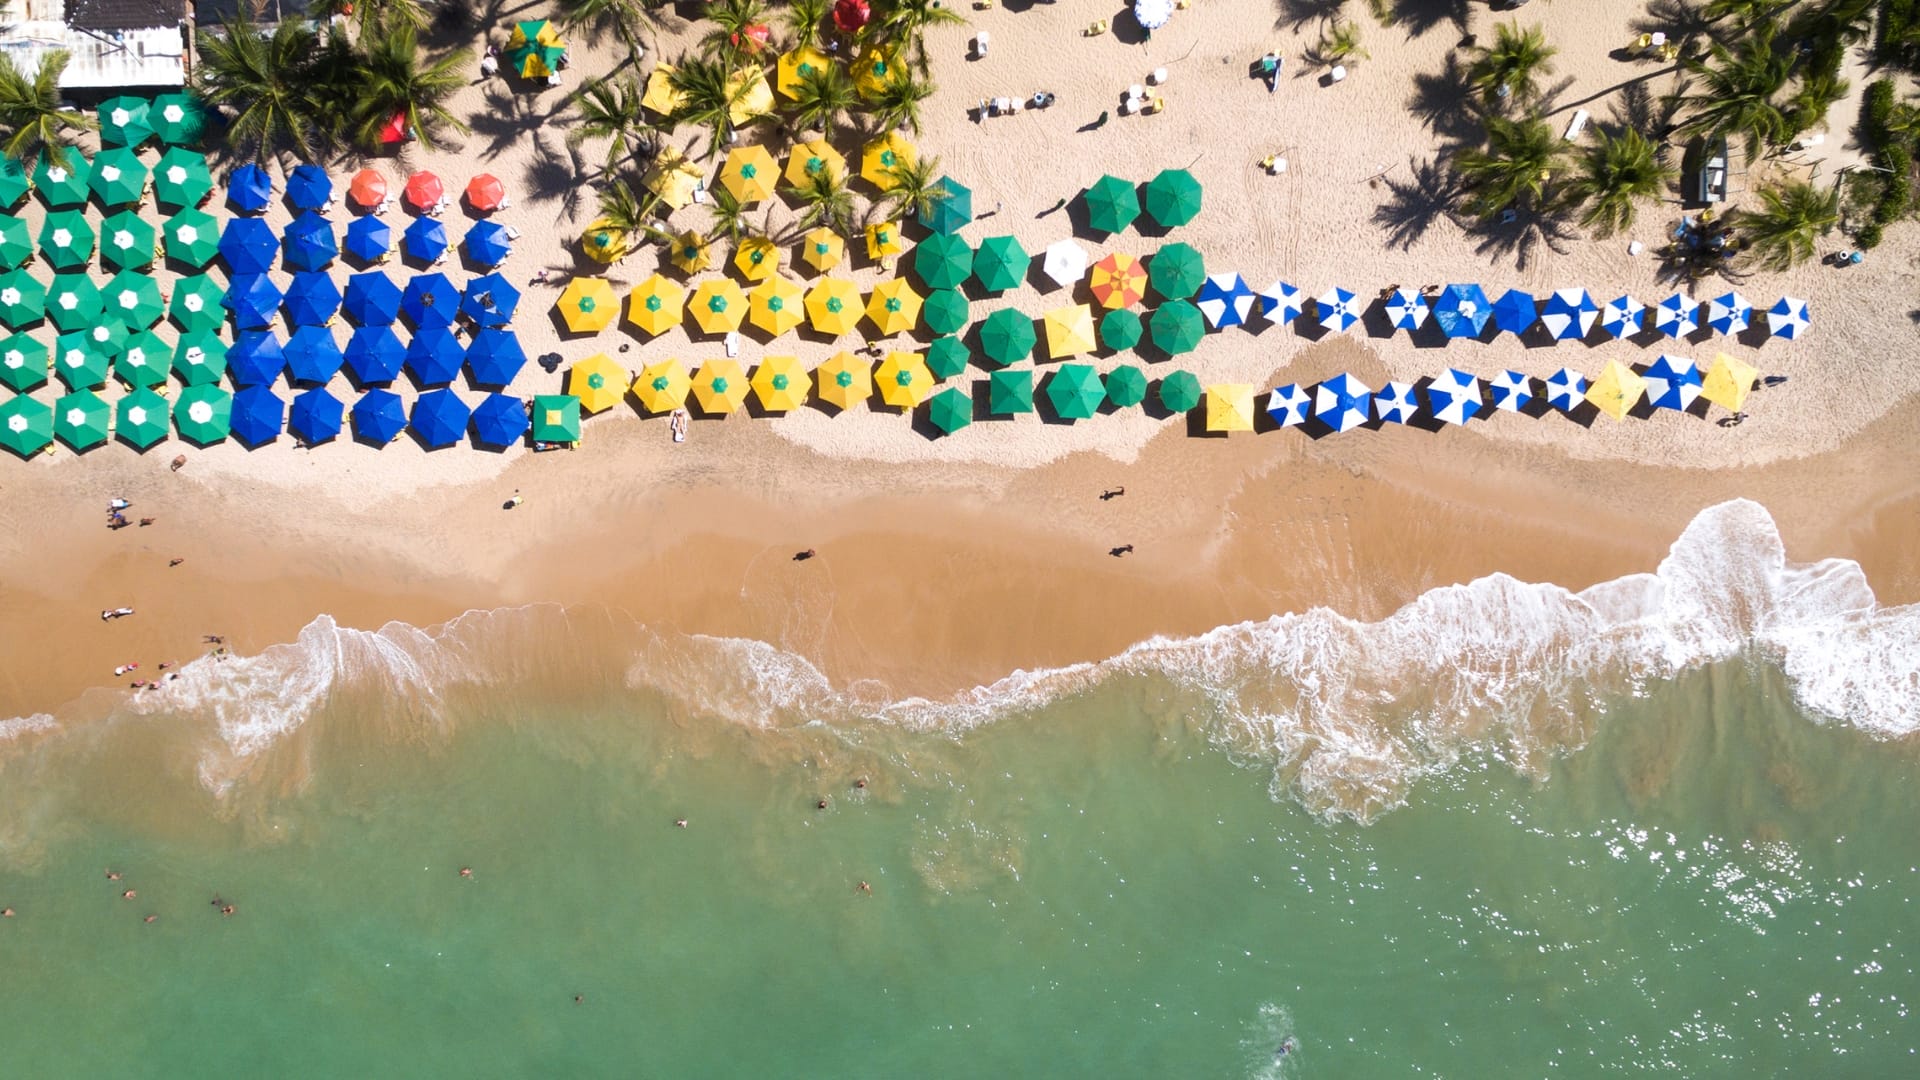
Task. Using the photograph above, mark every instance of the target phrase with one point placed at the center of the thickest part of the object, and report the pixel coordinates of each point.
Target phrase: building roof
(110, 15)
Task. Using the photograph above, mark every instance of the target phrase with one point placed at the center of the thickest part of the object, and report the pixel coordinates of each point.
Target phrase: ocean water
(1663, 825)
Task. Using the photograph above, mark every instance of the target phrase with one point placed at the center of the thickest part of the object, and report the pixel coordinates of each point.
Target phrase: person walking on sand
(1112, 493)
(115, 613)
(803, 556)
(1123, 549)
(516, 500)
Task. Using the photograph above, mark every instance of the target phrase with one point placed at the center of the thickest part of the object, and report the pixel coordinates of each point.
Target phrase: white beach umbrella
(1623, 317)
(1152, 14)
(1342, 402)
(1065, 262)
(1454, 397)
(1406, 309)
(1677, 316)
(1512, 391)
(1289, 405)
(1789, 318)
(1280, 302)
(1394, 403)
(1566, 389)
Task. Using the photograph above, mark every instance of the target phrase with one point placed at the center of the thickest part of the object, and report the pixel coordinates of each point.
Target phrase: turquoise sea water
(1693, 872)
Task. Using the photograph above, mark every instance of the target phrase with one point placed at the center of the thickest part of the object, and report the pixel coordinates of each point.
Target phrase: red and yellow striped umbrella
(1118, 281)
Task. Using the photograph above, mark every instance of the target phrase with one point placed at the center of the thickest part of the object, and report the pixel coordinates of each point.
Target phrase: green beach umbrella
(64, 182)
(79, 362)
(126, 242)
(1010, 390)
(1176, 271)
(556, 418)
(119, 178)
(80, 420)
(1180, 392)
(141, 418)
(181, 178)
(192, 237)
(1001, 263)
(26, 426)
(123, 121)
(945, 311)
(178, 118)
(1112, 205)
(946, 215)
(13, 182)
(200, 359)
(1007, 336)
(144, 361)
(196, 304)
(73, 302)
(133, 298)
(23, 362)
(1177, 327)
(946, 357)
(66, 240)
(23, 299)
(202, 413)
(1075, 391)
(1120, 329)
(1126, 386)
(1173, 197)
(16, 243)
(943, 261)
(950, 409)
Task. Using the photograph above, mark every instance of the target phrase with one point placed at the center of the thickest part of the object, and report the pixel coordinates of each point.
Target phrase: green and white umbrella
(73, 302)
(123, 121)
(80, 361)
(178, 118)
(16, 243)
(26, 426)
(63, 182)
(196, 303)
(180, 178)
(141, 418)
(23, 363)
(66, 240)
(202, 414)
(192, 237)
(13, 182)
(126, 242)
(23, 299)
(80, 420)
(134, 299)
(946, 357)
(144, 361)
(119, 177)
(200, 359)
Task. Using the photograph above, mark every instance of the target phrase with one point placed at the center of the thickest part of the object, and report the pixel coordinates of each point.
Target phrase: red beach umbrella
(486, 192)
(367, 188)
(756, 35)
(850, 15)
(395, 129)
(424, 190)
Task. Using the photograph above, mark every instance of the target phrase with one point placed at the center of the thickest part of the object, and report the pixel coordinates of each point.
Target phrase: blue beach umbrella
(500, 420)
(1515, 312)
(310, 244)
(1677, 316)
(369, 238)
(315, 416)
(434, 356)
(248, 246)
(1336, 309)
(425, 239)
(1789, 318)
(1406, 309)
(1289, 405)
(1566, 389)
(1672, 383)
(1512, 391)
(1342, 402)
(378, 416)
(430, 301)
(439, 418)
(308, 187)
(1462, 311)
(372, 299)
(1623, 317)
(1569, 314)
(494, 357)
(253, 299)
(1280, 303)
(1730, 314)
(258, 415)
(487, 243)
(250, 189)
(374, 355)
(311, 300)
(1454, 397)
(313, 356)
(490, 299)
(1225, 300)
(255, 358)
(1394, 403)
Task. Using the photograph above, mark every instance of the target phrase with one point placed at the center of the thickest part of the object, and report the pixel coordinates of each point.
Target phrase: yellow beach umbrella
(1616, 390)
(662, 386)
(1069, 331)
(774, 306)
(750, 173)
(1728, 382)
(833, 306)
(873, 70)
(587, 305)
(718, 306)
(882, 156)
(904, 380)
(720, 386)
(1230, 407)
(811, 158)
(795, 65)
(822, 249)
(750, 94)
(757, 258)
(604, 242)
(673, 178)
(883, 239)
(845, 380)
(781, 383)
(661, 96)
(598, 382)
(690, 252)
(894, 307)
(656, 305)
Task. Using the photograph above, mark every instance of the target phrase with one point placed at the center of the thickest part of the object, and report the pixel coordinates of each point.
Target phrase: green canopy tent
(178, 118)
(1075, 391)
(13, 182)
(123, 121)
(1010, 390)
(947, 213)
(1173, 197)
(119, 177)
(202, 414)
(126, 242)
(192, 237)
(1001, 263)
(26, 426)
(200, 359)
(1120, 329)
(140, 419)
(181, 178)
(947, 357)
(1176, 271)
(80, 361)
(1180, 392)
(1112, 204)
(1126, 386)
(556, 418)
(134, 299)
(62, 182)
(73, 302)
(1007, 337)
(945, 311)
(1177, 327)
(144, 361)
(195, 307)
(80, 420)
(66, 240)
(950, 409)
(23, 300)
(943, 261)
(16, 243)
(23, 363)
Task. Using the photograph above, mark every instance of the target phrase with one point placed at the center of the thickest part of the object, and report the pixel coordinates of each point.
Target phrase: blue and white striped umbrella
(1729, 314)
(1623, 317)
(1677, 316)
(1454, 397)
(1336, 309)
(1280, 302)
(1342, 402)
(1289, 405)
(1406, 309)
(1512, 391)
(1394, 403)
(1569, 314)
(1462, 310)
(1672, 383)
(1566, 389)
(1515, 312)
(1789, 318)
(1225, 300)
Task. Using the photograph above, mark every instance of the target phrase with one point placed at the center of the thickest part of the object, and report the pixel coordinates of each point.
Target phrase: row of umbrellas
(1170, 199)
(250, 189)
(176, 119)
(1565, 314)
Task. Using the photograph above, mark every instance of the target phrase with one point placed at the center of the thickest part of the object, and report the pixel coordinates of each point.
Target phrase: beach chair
(512, 233)
(733, 344)
(1578, 125)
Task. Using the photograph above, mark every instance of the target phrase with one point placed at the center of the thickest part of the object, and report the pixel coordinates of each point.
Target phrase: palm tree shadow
(1522, 237)
(1417, 203)
(556, 177)
(1296, 14)
(1683, 21)
(1445, 102)
(509, 118)
(1418, 17)
(1636, 109)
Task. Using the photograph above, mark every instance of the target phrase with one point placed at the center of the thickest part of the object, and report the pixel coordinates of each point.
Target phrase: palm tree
(1340, 44)
(729, 216)
(897, 104)
(824, 199)
(1507, 69)
(592, 18)
(30, 112)
(916, 186)
(1739, 98)
(1515, 168)
(1792, 216)
(1744, 12)
(1615, 174)
(626, 214)
(709, 95)
(260, 79)
(824, 93)
(1808, 106)
(728, 39)
(394, 82)
(905, 22)
(803, 20)
(610, 109)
